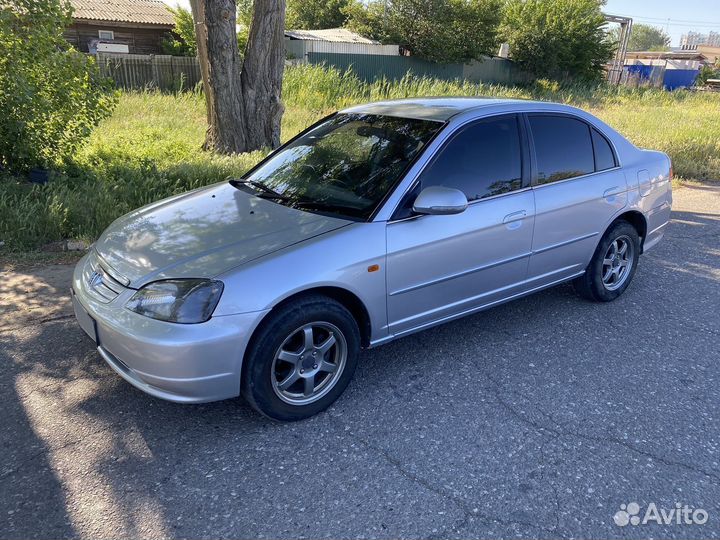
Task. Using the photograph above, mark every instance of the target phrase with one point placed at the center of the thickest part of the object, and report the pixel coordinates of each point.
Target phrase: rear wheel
(302, 359)
(613, 265)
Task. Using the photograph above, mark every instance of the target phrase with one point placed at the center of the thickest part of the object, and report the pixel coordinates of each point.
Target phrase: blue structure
(679, 78)
(672, 79)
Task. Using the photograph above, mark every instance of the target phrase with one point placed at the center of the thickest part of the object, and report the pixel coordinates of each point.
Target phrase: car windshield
(344, 166)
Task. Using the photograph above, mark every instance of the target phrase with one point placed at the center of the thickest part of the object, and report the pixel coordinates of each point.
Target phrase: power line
(665, 19)
(678, 25)
(683, 25)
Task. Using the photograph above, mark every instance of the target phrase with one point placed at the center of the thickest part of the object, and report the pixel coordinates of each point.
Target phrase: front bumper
(185, 363)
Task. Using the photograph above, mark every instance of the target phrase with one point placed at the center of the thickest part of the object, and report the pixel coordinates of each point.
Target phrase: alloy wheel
(309, 363)
(617, 262)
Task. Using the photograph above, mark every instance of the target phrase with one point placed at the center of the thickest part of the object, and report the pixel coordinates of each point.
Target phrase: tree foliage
(557, 39)
(185, 30)
(438, 30)
(51, 96)
(315, 14)
(244, 12)
(302, 14)
(644, 38)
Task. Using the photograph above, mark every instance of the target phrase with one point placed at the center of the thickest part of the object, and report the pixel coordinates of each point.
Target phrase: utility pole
(618, 63)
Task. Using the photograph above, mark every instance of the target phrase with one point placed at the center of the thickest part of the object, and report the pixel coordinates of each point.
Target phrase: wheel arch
(637, 220)
(345, 297)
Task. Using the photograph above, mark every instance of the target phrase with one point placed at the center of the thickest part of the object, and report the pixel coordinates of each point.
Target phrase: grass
(150, 147)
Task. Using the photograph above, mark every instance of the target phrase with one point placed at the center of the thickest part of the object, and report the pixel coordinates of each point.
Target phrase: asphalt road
(535, 419)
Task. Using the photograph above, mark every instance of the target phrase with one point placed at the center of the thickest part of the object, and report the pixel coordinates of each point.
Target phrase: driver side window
(481, 160)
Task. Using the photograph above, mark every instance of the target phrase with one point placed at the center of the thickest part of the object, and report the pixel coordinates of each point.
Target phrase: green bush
(185, 30)
(558, 39)
(51, 96)
(707, 72)
(437, 30)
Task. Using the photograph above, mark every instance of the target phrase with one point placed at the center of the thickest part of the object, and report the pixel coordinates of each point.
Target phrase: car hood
(203, 233)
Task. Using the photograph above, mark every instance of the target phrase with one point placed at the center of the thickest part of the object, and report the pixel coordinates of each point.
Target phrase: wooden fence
(138, 71)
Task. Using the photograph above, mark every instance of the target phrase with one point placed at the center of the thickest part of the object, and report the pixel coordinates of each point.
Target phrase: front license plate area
(86, 322)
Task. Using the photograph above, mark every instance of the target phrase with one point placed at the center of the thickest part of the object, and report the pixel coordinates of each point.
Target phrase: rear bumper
(658, 220)
(184, 363)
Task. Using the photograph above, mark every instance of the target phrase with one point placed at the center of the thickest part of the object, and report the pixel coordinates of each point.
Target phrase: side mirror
(440, 201)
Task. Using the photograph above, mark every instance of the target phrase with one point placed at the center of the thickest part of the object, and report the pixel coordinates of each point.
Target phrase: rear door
(440, 266)
(578, 188)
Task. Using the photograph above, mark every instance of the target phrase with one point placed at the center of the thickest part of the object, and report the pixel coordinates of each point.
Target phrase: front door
(440, 266)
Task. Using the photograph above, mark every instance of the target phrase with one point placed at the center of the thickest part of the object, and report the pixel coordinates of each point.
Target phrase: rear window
(604, 156)
(563, 147)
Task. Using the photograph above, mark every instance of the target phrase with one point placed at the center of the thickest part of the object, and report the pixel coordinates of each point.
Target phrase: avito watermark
(680, 514)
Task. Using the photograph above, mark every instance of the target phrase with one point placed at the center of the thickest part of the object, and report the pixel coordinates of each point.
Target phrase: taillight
(671, 172)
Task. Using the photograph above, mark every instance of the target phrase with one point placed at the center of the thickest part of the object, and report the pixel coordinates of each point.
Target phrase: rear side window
(604, 156)
(482, 160)
(563, 147)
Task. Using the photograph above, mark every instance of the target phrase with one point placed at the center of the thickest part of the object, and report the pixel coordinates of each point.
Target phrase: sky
(676, 17)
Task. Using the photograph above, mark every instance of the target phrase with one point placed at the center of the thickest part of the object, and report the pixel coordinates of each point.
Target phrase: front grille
(101, 280)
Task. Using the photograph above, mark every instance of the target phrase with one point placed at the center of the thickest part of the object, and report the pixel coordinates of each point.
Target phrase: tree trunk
(243, 101)
(262, 74)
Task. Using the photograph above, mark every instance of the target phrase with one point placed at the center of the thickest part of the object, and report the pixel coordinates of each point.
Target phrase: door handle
(514, 216)
(611, 191)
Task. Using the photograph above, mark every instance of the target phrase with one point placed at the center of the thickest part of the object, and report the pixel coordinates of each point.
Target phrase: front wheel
(613, 265)
(302, 359)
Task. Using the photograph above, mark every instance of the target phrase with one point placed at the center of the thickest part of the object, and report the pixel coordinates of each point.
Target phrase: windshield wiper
(267, 193)
(326, 206)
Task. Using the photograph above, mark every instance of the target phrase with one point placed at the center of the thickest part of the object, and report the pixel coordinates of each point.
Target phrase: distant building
(671, 60)
(712, 54)
(298, 43)
(692, 40)
(121, 26)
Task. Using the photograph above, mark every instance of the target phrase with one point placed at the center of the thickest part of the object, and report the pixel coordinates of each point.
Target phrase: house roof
(663, 55)
(150, 12)
(338, 35)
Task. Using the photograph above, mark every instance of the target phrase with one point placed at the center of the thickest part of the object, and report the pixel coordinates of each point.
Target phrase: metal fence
(372, 67)
(137, 71)
(495, 70)
(177, 73)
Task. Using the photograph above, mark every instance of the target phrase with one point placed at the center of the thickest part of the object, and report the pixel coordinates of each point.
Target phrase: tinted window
(346, 165)
(484, 159)
(604, 157)
(563, 147)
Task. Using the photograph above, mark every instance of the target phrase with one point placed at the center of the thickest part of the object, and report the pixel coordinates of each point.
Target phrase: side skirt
(483, 307)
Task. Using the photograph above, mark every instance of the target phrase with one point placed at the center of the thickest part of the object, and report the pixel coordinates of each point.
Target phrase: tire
(603, 282)
(281, 360)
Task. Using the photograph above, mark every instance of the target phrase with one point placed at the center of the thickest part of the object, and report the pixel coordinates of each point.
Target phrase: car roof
(431, 108)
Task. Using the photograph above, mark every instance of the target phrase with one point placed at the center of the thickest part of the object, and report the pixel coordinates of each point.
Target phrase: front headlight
(177, 300)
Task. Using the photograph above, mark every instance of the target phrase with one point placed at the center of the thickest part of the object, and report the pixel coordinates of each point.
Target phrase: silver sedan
(378, 221)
